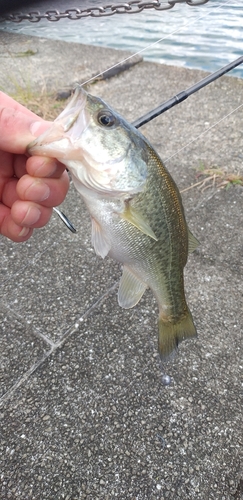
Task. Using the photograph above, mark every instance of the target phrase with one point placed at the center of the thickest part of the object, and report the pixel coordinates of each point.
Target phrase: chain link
(130, 7)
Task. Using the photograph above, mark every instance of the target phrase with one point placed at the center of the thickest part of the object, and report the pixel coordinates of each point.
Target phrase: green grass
(26, 53)
(41, 103)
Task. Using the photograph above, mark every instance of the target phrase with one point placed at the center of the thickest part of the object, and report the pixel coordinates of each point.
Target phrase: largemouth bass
(135, 207)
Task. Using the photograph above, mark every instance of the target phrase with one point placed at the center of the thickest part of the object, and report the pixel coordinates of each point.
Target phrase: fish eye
(106, 119)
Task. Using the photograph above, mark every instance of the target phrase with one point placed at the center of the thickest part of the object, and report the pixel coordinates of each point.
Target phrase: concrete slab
(36, 63)
(57, 301)
(84, 412)
(21, 347)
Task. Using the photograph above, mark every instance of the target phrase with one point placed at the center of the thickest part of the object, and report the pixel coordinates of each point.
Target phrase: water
(205, 37)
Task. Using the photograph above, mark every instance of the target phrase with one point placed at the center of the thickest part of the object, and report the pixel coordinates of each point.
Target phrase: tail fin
(171, 334)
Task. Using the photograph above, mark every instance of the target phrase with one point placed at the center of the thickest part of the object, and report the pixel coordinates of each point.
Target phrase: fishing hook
(65, 219)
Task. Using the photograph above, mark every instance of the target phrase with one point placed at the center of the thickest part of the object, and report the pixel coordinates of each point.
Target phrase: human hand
(29, 187)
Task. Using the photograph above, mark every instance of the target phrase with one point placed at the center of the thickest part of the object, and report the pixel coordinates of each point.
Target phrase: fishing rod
(164, 107)
(173, 101)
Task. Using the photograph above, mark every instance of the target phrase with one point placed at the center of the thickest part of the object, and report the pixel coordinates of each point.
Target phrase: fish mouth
(58, 140)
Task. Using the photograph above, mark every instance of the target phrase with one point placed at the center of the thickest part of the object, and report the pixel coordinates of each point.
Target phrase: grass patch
(215, 177)
(41, 103)
(26, 53)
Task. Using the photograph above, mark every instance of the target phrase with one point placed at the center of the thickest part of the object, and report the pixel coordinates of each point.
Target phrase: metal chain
(130, 7)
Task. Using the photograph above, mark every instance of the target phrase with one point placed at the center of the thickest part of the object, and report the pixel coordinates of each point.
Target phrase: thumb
(18, 129)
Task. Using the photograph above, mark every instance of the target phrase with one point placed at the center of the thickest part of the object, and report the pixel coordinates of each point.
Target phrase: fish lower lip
(65, 128)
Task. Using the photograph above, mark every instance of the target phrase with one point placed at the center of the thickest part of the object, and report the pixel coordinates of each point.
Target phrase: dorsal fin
(193, 243)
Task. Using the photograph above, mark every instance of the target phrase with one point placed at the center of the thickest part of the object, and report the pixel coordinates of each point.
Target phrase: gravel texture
(84, 411)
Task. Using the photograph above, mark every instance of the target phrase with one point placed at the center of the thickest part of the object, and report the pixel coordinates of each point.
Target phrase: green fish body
(135, 207)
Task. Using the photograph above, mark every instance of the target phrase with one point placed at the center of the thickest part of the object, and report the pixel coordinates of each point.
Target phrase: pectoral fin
(134, 218)
(130, 290)
(99, 242)
(193, 243)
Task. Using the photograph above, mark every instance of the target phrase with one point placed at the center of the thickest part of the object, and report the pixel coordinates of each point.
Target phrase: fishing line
(70, 225)
(202, 133)
(63, 217)
(155, 43)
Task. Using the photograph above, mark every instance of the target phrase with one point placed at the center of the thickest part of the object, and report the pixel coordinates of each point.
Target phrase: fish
(135, 206)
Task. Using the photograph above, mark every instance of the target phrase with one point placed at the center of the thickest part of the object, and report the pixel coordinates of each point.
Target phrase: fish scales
(156, 261)
(135, 207)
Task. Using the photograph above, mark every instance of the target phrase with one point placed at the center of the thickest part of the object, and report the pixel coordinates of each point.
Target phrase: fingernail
(44, 167)
(32, 216)
(35, 127)
(37, 191)
(24, 231)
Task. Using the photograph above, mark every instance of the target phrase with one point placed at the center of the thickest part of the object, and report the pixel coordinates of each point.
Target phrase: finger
(18, 130)
(11, 165)
(9, 193)
(8, 102)
(38, 166)
(27, 214)
(49, 192)
(19, 165)
(10, 229)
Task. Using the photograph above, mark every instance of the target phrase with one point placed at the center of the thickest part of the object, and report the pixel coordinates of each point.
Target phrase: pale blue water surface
(205, 37)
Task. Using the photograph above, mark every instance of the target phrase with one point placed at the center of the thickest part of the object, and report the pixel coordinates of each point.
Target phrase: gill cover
(96, 145)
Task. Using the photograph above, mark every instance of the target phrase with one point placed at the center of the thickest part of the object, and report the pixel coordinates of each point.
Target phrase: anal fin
(130, 290)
